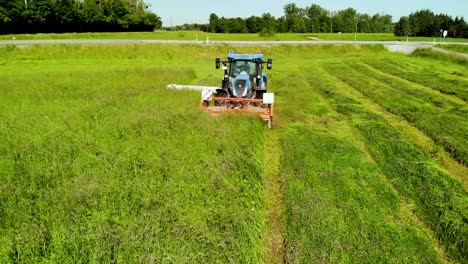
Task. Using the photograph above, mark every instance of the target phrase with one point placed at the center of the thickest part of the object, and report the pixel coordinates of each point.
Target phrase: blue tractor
(243, 76)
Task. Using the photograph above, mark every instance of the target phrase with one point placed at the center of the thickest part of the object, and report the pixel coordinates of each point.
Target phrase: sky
(178, 12)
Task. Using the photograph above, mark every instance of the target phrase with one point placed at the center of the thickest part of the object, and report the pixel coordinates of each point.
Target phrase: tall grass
(456, 48)
(105, 165)
(428, 53)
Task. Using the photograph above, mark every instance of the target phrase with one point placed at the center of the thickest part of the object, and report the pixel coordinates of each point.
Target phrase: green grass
(424, 109)
(440, 200)
(339, 207)
(325, 174)
(450, 80)
(432, 54)
(100, 163)
(192, 35)
(456, 48)
(333, 214)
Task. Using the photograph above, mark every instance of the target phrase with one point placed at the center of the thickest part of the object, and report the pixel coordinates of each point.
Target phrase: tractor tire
(258, 95)
(221, 94)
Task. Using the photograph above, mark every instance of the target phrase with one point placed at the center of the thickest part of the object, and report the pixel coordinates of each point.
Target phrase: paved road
(397, 46)
(136, 41)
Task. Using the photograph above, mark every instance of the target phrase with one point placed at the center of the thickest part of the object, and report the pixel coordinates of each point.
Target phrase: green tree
(66, 15)
(213, 23)
(11, 16)
(281, 25)
(268, 24)
(345, 20)
(318, 19)
(366, 25)
(422, 23)
(380, 23)
(38, 13)
(254, 24)
(237, 25)
(29, 16)
(92, 14)
(294, 19)
(403, 27)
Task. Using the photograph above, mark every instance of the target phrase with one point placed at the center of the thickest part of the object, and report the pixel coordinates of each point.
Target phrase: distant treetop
(313, 19)
(47, 16)
(424, 23)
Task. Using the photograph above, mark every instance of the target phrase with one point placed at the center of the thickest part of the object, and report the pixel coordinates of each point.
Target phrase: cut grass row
(443, 120)
(424, 73)
(105, 165)
(338, 205)
(441, 202)
(407, 129)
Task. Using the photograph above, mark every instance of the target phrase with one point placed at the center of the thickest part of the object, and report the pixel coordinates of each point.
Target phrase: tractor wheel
(258, 96)
(220, 94)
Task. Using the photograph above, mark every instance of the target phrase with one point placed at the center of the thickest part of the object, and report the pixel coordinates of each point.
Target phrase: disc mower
(244, 87)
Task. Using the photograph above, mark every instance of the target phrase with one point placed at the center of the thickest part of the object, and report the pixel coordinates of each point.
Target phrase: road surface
(396, 46)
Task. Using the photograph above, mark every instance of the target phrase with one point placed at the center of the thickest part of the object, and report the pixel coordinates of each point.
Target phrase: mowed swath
(428, 196)
(421, 106)
(101, 163)
(340, 207)
(446, 79)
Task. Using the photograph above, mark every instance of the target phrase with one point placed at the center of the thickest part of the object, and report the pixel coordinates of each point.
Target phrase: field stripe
(381, 73)
(412, 174)
(443, 121)
(274, 239)
(431, 80)
(338, 205)
(418, 137)
(415, 136)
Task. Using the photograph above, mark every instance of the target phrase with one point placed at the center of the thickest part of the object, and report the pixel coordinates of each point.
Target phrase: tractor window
(242, 66)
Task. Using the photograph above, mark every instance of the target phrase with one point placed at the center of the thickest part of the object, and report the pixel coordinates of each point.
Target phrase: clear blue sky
(176, 12)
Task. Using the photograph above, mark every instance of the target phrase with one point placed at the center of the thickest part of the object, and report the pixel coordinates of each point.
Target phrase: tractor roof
(245, 57)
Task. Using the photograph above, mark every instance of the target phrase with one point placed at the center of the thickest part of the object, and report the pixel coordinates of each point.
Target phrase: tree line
(311, 19)
(58, 16)
(426, 23)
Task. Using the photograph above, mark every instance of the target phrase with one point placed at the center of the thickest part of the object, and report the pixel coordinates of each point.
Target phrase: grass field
(202, 36)
(367, 161)
(456, 48)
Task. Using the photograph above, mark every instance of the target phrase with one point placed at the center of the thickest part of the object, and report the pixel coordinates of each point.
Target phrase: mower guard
(262, 107)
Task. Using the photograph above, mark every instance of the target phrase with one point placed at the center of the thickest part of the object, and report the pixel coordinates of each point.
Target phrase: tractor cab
(243, 67)
(243, 88)
(243, 75)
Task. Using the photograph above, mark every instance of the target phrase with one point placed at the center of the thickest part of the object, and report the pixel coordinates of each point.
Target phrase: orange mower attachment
(221, 105)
